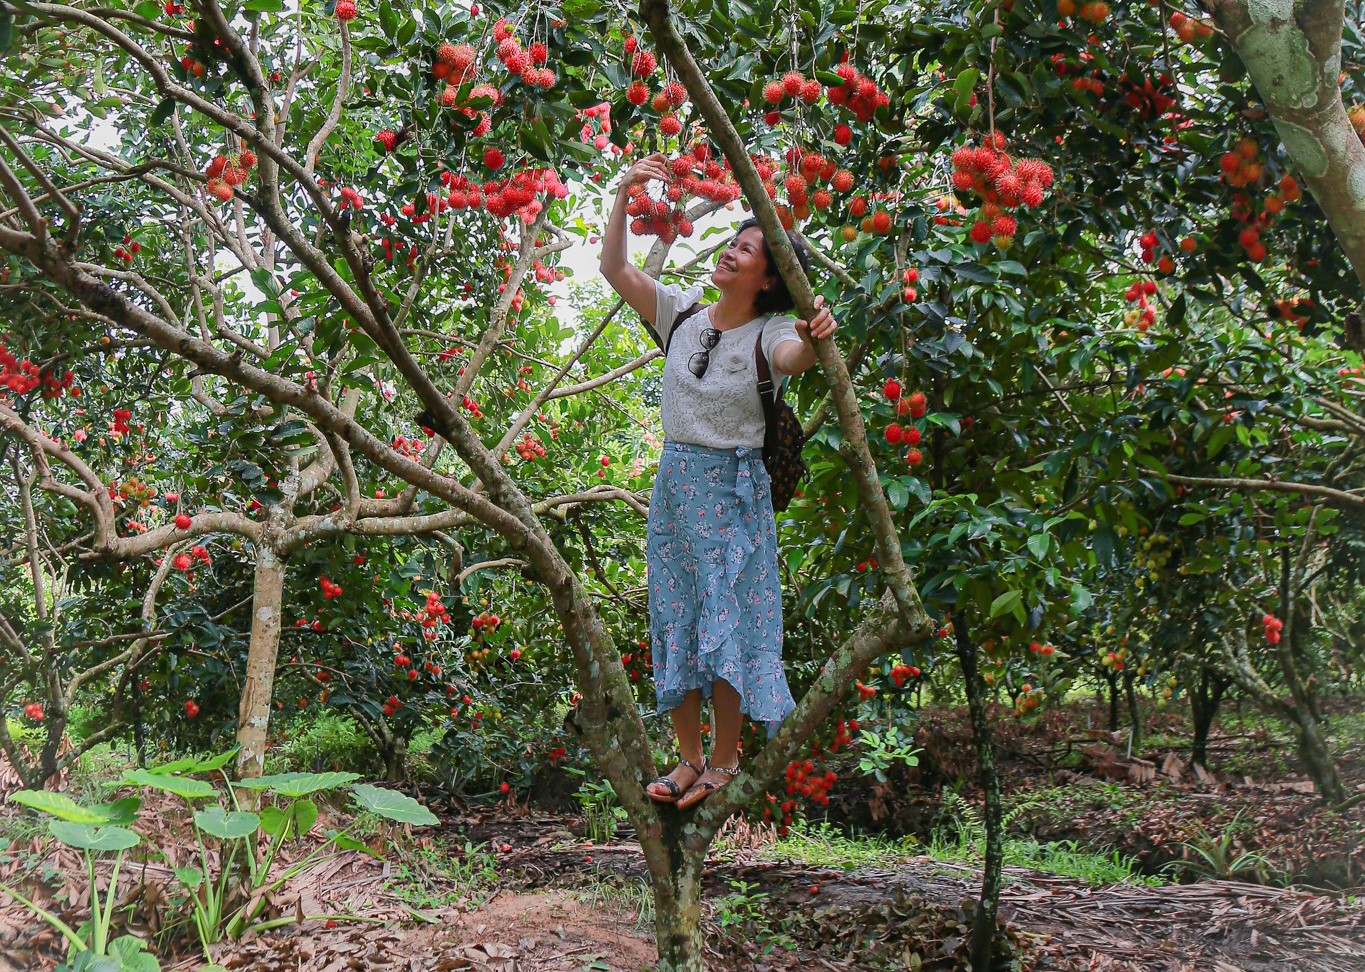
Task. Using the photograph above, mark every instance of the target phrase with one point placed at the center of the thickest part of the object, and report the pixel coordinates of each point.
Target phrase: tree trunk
(1317, 758)
(1134, 716)
(395, 760)
(677, 916)
(1292, 51)
(1204, 702)
(253, 719)
(1112, 678)
(987, 914)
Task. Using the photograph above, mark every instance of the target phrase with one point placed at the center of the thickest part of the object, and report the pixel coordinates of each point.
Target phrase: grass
(823, 845)
(1064, 858)
(633, 899)
(436, 877)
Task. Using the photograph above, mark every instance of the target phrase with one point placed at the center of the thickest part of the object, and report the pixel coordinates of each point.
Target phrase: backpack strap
(765, 391)
(683, 315)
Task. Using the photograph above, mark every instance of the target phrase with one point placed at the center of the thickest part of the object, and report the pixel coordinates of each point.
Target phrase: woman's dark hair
(777, 298)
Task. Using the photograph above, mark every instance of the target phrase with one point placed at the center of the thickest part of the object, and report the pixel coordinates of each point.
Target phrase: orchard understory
(327, 451)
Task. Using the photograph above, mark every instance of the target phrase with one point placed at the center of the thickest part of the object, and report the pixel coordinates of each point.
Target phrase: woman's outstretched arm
(632, 283)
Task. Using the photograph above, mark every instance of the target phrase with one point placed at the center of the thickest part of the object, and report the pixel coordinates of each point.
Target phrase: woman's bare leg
(728, 720)
(725, 727)
(687, 726)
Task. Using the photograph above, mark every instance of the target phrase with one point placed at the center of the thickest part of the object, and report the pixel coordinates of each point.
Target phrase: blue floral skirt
(715, 594)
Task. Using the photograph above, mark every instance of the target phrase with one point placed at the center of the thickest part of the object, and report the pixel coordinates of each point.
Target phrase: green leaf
(897, 495)
(292, 785)
(1006, 602)
(129, 952)
(191, 877)
(1038, 545)
(305, 815)
(392, 805)
(225, 824)
(1221, 437)
(213, 763)
(63, 807)
(272, 819)
(179, 785)
(164, 109)
(93, 837)
(347, 842)
(1080, 599)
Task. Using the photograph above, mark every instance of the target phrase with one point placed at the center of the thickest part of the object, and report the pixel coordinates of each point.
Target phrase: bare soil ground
(563, 905)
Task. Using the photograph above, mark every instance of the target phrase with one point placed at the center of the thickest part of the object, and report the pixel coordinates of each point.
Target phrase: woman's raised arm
(632, 283)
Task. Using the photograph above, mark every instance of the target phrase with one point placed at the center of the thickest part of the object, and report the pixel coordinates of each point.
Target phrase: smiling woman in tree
(715, 598)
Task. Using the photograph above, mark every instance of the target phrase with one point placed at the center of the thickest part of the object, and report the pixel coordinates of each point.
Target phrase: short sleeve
(670, 300)
(777, 331)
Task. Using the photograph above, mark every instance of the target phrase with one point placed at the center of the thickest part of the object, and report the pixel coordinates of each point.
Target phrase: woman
(715, 596)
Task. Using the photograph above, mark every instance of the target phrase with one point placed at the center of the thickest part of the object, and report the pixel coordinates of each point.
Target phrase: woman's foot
(668, 789)
(709, 782)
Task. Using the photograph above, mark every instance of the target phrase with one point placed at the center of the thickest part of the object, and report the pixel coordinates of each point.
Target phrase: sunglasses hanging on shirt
(701, 360)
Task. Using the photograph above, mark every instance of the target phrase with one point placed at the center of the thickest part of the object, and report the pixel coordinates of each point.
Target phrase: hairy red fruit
(387, 138)
(182, 521)
(493, 158)
(643, 64)
(892, 390)
(345, 10)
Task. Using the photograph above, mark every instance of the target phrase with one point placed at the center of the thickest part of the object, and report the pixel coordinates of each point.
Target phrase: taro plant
(229, 899)
(227, 893)
(94, 830)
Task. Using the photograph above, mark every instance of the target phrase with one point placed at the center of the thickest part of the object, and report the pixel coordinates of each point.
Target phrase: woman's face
(742, 269)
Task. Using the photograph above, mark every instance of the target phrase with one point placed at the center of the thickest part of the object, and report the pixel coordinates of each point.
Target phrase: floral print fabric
(715, 594)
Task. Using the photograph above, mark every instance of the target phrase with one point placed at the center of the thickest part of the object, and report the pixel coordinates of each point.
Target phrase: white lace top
(722, 408)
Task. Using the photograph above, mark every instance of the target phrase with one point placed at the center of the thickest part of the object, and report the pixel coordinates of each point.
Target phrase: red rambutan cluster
(1003, 183)
(228, 171)
(859, 94)
(598, 136)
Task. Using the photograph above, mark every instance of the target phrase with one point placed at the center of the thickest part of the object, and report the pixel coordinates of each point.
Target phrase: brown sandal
(710, 787)
(675, 792)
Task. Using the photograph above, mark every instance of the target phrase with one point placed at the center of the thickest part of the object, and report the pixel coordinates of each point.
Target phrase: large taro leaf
(63, 807)
(226, 824)
(392, 805)
(179, 785)
(292, 785)
(94, 837)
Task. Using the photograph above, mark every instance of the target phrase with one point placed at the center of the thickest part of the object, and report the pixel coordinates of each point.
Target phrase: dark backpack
(783, 437)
